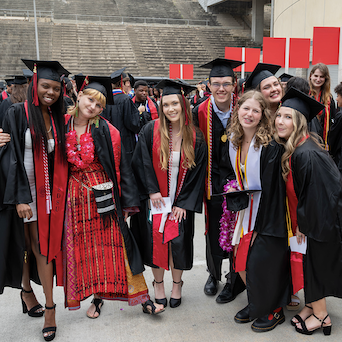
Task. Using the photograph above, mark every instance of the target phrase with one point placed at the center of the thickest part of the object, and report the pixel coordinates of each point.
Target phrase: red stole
(50, 220)
(4, 95)
(152, 108)
(171, 228)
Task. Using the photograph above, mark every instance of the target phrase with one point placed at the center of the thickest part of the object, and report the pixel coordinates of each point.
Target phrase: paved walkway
(199, 318)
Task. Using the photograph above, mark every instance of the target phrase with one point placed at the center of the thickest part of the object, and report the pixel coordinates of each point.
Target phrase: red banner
(326, 45)
(299, 54)
(252, 58)
(274, 51)
(234, 53)
(182, 71)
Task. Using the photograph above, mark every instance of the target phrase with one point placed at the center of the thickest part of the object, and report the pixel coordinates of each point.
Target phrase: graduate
(7, 92)
(212, 117)
(260, 235)
(314, 191)
(33, 190)
(169, 161)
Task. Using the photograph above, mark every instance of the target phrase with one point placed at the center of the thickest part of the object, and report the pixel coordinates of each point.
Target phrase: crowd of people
(103, 175)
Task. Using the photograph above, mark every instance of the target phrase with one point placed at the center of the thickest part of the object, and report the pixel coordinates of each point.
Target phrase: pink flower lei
(227, 221)
(81, 155)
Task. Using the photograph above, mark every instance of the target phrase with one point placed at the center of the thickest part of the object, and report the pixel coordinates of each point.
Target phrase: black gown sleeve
(317, 183)
(131, 116)
(3, 108)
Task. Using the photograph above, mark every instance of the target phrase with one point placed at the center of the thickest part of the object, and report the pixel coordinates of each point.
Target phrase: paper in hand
(167, 209)
(295, 247)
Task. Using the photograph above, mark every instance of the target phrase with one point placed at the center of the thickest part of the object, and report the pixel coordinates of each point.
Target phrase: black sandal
(152, 310)
(33, 311)
(97, 302)
(162, 301)
(298, 318)
(49, 329)
(326, 330)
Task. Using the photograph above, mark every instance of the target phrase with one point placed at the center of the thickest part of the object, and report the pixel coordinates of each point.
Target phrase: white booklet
(164, 209)
(295, 247)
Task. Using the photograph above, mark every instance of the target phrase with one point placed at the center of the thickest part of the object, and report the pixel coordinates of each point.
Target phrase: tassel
(85, 82)
(35, 86)
(185, 110)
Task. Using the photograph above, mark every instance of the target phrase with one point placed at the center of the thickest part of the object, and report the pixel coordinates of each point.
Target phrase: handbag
(104, 198)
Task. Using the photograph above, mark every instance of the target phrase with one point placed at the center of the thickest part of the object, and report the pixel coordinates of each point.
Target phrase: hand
(126, 213)
(300, 236)
(232, 190)
(157, 200)
(4, 138)
(24, 211)
(141, 108)
(178, 214)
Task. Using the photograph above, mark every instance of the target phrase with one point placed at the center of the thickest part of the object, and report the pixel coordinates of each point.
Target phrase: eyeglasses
(224, 85)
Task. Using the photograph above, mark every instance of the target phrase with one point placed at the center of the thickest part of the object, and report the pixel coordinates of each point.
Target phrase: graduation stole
(326, 120)
(171, 228)
(150, 107)
(252, 177)
(50, 211)
(4, 95)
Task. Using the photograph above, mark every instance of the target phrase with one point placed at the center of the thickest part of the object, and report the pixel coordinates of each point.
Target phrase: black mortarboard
(99, 83)
(285, 77)
(50, 70)
(260, 73)
(305, 104)
(221, 67)
(20, 80)
(28, 73)
(171, 87)
(116, 75)
(131, 79)
(9, 81)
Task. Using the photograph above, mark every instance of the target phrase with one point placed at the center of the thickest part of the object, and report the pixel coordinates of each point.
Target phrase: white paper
(167, 209)
(295, 247)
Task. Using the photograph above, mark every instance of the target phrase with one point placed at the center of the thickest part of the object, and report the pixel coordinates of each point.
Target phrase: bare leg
(176, 277)
(159, 290)
(243, 276)
(320, 311)
(45, 271)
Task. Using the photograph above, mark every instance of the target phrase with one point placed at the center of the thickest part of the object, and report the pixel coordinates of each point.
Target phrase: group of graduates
(80, 156)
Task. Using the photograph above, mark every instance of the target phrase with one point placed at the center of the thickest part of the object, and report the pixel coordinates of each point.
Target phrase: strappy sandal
(326, 329)
(33, 312)
(97, 302)
(298, 318)
(162, 301)
(294, 304)
(150, 308)
(49, 329)
(174, 303)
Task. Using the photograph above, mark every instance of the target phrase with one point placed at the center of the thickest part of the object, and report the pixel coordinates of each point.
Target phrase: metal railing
(103, 18)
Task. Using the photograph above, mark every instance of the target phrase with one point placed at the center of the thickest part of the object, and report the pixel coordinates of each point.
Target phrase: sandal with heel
(298, 318)
(49, 329)
(162, 301)
(326, 329)
(33, 311)
(97, 302)
(152, 310)
(174, 303)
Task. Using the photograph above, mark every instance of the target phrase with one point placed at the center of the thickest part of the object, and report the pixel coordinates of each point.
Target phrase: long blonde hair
(95, 94)
(325, 97)
(263, 132)
(187, 147)
(296, 139)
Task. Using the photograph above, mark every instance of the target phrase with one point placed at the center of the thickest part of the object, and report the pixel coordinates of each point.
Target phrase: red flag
(299, 54)
(326, 45)
(174, 71)
(188, 71)
(234, 53)
(274, 51)
(182, 71)
(252, 58)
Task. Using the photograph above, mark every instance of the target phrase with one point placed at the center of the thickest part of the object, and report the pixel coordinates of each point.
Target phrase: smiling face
(284, 122)
(172, 108)
(317, 79)
(48, 91)
(221, 88)
(88, 106)
(271, 89)
(250, 114)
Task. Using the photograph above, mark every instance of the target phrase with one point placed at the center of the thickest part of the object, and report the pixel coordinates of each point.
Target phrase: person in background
(5, 93)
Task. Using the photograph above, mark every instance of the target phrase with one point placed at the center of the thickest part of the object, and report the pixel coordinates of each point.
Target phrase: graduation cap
(79, 74)
(221, 67)
(9, 81)
(171, 87)
(131, 79)
(20, 80)
(117, 75)
(260, 73)
(2, 84)
(99, 83)
(28, 73)
(302, 102)
(285, 77)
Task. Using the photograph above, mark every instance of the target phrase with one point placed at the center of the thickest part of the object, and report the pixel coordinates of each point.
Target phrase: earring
(76, 112)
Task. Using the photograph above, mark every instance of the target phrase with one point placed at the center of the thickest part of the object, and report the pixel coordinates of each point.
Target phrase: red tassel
(186, 113)
(85, 82)
(35, 86)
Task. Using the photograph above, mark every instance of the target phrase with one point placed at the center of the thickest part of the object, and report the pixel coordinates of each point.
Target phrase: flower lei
(227, 221)
(82, 154)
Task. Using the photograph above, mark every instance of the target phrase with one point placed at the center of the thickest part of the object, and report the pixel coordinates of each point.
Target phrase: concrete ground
(199, 318)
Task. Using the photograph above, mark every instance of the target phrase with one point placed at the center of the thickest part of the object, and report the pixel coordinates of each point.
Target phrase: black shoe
(243, 316)
(226, 295)
(162, 301)
(33, 312)
(174, 303)
(210, 287)
(50, 329)
(265, 324)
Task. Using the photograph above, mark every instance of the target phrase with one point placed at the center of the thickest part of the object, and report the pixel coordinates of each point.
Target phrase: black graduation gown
(5, 104)
(335, 140)
(189, 198)
(14, 188)
(221, 171)
(268, 262)
(318, 186)
(125, 117)
(104, 149)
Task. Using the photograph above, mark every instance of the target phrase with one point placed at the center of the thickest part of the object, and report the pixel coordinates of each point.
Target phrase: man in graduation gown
(148, 109)
(212, 116)
(123, 115)
(7, 92)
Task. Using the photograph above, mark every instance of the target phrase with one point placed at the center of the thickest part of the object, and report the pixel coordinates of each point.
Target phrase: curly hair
(263, 131)
(187, 147)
